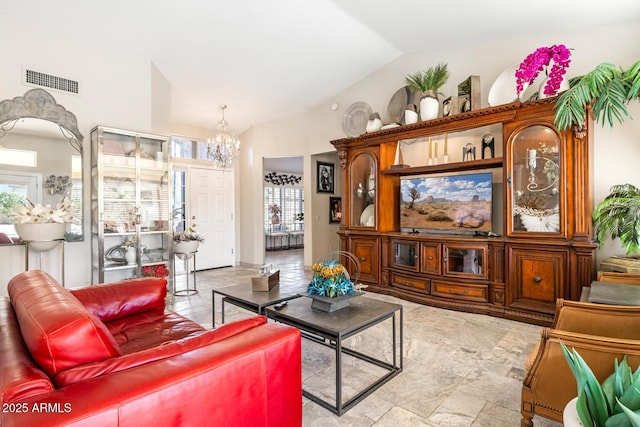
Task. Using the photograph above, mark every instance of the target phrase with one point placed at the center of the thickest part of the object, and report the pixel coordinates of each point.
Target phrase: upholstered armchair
(600, 333)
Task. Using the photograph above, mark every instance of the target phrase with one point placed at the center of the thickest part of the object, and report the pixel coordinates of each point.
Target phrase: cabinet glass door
(537, 193)
(363, 188)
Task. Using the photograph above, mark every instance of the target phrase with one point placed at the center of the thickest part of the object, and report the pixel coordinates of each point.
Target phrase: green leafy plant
(607, 88)
(615, 402)
(431, 79)
(619, 216)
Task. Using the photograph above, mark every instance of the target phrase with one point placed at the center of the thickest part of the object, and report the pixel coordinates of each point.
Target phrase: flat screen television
(460, 203)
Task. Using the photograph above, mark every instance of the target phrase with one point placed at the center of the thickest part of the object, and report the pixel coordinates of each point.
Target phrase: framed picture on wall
(325, 177)
(335, 209)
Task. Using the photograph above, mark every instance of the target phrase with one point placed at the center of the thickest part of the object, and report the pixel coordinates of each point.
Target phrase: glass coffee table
(244, 297)
(331, 329)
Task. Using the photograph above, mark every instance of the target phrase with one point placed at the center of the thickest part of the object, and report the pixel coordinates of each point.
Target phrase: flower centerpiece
(187, 242)
(160, 270)
(330, 286)
(538, 61)
(42, 224)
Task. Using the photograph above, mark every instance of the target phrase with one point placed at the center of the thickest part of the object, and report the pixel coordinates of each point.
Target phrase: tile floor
(460, 369)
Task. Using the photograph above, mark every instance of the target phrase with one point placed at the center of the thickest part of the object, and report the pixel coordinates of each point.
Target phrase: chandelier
(224, 145)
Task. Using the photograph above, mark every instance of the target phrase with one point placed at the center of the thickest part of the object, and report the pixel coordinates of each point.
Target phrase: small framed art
(326, 177)
(335, 209)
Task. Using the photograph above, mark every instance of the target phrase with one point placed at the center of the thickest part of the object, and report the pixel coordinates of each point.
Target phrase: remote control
(280, 306)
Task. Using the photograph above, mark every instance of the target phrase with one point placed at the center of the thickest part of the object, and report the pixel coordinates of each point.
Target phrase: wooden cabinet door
(430, 258)
(536, 278)
(367, 252)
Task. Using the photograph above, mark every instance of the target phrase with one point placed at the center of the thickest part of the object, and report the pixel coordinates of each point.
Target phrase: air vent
(35, 78)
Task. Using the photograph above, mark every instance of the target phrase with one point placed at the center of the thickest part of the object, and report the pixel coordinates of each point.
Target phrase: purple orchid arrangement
(537, 61)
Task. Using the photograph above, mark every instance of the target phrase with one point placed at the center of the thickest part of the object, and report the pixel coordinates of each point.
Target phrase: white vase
(429, 107)
(185, 246)
(130, 255)
(570, 416)
(42, 237)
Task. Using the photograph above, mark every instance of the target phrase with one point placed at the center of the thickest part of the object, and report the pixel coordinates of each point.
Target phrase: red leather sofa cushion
(19, 375)
(119, 299)
(201, 339)
(59, 332)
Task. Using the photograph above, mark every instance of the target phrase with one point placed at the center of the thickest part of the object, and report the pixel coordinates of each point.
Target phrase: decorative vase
(411, 114)
(185, 246)
(429, 106)
(329, 305)
(130, 255)
(570, 416)
(374, 124)
(42, 237)
(275, 219)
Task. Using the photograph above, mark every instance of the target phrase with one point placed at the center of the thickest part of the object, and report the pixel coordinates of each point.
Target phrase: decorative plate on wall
(354, 122)
(399, 102)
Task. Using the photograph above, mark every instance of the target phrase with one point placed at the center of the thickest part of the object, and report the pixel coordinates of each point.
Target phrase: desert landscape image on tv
(460, 202)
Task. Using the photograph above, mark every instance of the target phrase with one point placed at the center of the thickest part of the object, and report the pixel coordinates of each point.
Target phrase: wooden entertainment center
(540, 247)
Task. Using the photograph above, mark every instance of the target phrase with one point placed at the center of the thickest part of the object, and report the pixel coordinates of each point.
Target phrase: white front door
(211, 202)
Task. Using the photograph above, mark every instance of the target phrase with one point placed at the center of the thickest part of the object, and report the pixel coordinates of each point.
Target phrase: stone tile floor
(460, 369)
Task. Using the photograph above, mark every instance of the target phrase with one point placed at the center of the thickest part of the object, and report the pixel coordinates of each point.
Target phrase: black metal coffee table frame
(242, 296)
(331, 329)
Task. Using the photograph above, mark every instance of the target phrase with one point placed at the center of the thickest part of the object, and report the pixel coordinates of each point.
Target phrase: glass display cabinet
(130, 204)
(363, 187)
(537, 195)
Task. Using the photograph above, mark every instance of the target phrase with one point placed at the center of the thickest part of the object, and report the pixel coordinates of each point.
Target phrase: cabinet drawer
(412, 283)
(479, 293)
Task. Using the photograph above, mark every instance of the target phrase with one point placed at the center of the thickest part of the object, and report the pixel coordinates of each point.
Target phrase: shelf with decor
(130, 202)
(534, 246)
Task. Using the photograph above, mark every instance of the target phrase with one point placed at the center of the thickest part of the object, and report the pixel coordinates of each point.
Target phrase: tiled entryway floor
(460, 369)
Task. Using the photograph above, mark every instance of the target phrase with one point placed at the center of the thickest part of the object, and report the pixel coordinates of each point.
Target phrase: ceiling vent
(36, 78)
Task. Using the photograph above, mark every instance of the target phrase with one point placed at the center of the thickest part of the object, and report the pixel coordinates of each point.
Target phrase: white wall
(129, 93)
(115, 92)
(616, 151)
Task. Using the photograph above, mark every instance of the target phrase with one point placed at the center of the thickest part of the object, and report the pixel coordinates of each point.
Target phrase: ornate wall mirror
(40, 158)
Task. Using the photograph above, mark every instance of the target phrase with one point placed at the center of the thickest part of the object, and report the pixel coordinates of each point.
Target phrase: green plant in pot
(613, 403)
(607, 89)
(428, 82)
(619, 216)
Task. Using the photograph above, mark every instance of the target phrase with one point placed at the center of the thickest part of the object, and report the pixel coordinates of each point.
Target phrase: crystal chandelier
(224, 145)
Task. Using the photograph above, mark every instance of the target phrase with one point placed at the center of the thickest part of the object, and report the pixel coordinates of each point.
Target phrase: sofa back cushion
(115, 300)
(59, 331)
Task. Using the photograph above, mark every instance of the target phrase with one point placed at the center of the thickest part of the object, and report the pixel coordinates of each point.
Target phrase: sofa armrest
(251, 376)
(110, 301)
(614, 321)
(92, 370)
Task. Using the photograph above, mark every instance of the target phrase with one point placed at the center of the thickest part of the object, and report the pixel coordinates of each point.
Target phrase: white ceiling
(268, 59)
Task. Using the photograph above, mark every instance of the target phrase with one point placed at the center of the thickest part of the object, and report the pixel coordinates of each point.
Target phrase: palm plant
(433, 78)
(619, 216)
(607, 88)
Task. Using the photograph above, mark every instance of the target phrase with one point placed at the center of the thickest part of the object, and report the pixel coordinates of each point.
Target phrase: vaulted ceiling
(268, 59)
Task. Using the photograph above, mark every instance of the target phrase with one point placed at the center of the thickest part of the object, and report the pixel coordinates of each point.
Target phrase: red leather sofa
(113, 355)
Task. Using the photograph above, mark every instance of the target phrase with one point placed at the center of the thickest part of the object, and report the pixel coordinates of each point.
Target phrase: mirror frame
(40, 104)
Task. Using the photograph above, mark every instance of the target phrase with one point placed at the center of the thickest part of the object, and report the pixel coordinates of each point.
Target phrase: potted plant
(274, 210)
(187, 242)
(428, 82)
(619, 216)
(42, 226)
(614, 402)
(607, 89)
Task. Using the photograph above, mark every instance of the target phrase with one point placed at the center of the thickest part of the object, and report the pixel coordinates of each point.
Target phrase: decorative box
(265, 283)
